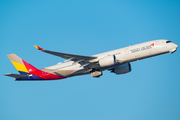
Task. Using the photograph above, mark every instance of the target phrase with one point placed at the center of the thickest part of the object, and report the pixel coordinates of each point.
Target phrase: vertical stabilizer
(29, 72)
(18, 63)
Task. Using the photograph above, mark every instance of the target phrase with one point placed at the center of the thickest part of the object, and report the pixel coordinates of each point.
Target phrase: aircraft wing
(83, 60)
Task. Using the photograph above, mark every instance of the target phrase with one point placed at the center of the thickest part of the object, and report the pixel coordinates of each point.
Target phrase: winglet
(39, 48)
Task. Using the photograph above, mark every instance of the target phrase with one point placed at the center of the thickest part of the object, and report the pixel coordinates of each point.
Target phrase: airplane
(117, 61)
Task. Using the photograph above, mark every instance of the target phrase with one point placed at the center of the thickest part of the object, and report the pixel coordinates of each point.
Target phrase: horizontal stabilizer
(16, 75)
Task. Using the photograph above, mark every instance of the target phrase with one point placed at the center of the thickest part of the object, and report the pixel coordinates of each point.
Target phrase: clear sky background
(151, 91)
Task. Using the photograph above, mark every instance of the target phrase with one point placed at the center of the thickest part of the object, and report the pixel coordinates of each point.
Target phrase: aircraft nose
(176, 46)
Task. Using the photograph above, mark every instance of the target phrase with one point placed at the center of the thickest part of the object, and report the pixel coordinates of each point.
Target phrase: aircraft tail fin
(26, 70)
(29, 72)
(20, 64)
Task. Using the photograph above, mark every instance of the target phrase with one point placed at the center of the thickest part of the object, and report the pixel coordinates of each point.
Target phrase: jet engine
(122, 69)
(107, 61)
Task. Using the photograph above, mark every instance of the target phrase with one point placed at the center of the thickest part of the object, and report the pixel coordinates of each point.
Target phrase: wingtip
(37, 47)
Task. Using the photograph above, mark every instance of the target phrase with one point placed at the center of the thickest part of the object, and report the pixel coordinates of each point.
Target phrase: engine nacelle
(107, 61)
(122, 69)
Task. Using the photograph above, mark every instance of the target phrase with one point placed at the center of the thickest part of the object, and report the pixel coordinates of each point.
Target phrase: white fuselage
(122, 55)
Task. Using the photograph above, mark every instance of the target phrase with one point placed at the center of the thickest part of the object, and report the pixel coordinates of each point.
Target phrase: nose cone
(176, 46)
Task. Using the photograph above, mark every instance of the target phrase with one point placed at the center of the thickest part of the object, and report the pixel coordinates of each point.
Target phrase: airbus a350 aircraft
(118, 61)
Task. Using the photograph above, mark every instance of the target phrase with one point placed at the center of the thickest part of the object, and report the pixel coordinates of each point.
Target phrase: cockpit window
(168, 41)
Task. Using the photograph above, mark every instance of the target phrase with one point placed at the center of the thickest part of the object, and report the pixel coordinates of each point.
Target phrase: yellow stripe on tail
(19, 67)
(17, 62)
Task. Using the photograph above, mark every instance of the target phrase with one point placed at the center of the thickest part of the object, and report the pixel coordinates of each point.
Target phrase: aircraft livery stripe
(31, 69)
(45, 75)
(20, 67)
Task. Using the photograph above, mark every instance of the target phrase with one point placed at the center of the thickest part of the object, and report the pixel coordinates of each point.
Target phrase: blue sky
(150, 91)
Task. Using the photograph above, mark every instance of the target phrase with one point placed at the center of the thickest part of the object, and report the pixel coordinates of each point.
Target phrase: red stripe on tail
(40, 73)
